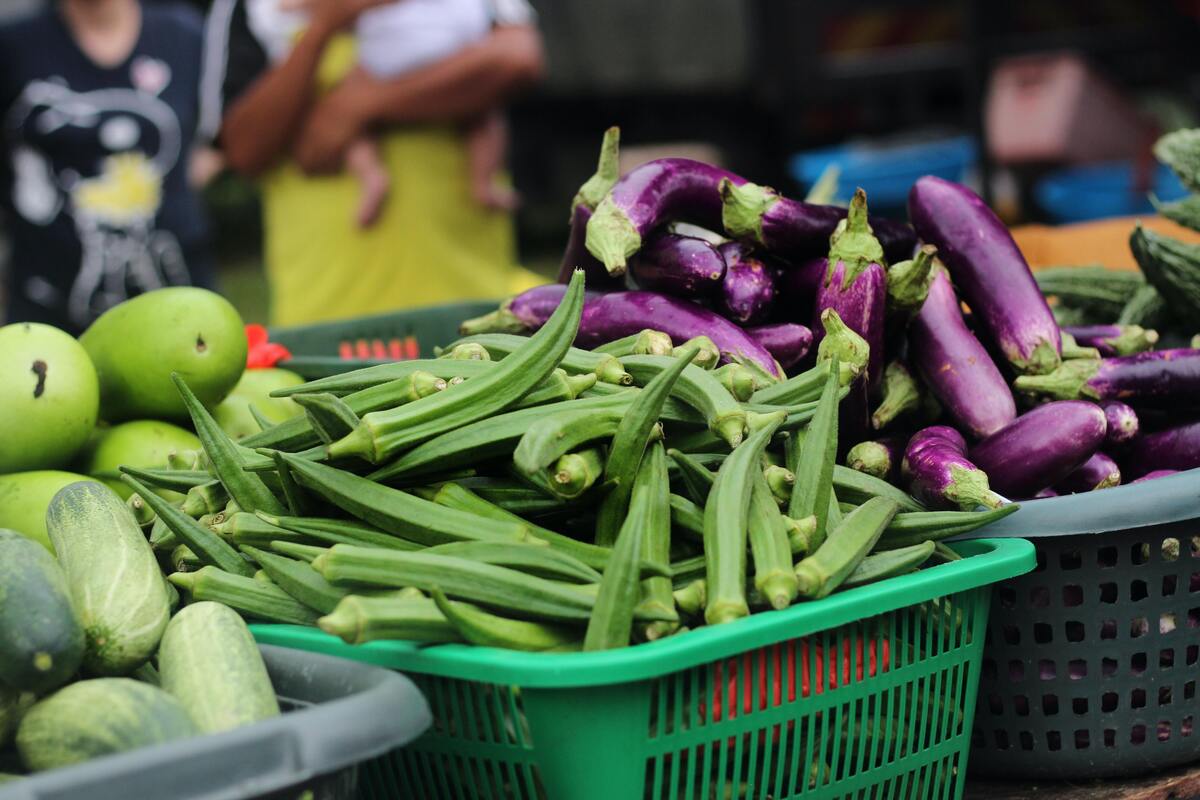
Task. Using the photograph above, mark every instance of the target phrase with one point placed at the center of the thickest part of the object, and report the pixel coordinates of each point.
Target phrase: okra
(330, 417)
(780, 481)
(915, 527)
(805, 387)
(554, 435)
(358, 619)
(207, 546)
(646, 343)
(656, 544)
(488, 438)
(611, 622)
(834, 560)
(691, 598)
(187, 460)
(799, 533)
(207, 498)
(260, 419)
(162, 538)
(770, 549)
(184, 560)
(478, 627)
(673, 411)
(813, 460)
(696, 479)
(576, 361)
(944, 554)
(338, 531)
(256, 599)
(737, 380)
(484, 583)
(299, 580)
(575, 473)
(545, 562)
(709, 354)
(557, 388)
(142, 513)
(858, 487)
(358, 380)
(383, 434)
(174, 480)
(297, 503)
(305, 552)
(454, 495)
(398, 512)
(629, 444)
(244, 528)
(297, 432)
(725, 519)
(688, 570)
(514, 496)
(687, 518)
(888, 564)
(699, 389)
(467, 351)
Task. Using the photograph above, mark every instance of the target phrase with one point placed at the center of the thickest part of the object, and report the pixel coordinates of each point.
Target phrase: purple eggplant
(611, 316)
(796, 230)
(1041, 447)
(939, 473)
(683, 266)
(855, 284)
(1098, 472)
(878, 457)
(955, 366)
(650, 196)
(748, 289)
(788, 342)
(1159, 378)
(1114, 340)
(1156, 474)
(1122, 421)
(1175, 448)
(989, 271)
(796, 286)
(586, 199)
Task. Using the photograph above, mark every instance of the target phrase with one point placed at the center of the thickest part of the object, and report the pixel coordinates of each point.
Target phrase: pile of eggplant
(972, 394)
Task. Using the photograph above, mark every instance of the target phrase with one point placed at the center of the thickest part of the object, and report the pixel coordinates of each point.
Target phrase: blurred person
(291, 97)
(100, 101)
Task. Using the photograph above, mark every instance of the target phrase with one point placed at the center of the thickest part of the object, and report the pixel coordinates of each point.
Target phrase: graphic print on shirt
(113, 200)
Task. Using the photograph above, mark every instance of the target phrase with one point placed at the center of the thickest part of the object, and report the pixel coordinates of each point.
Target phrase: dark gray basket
(1091, 661)
(340, 715)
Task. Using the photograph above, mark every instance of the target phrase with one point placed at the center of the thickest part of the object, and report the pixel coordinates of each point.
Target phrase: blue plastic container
(1097, 191)
(886, 172)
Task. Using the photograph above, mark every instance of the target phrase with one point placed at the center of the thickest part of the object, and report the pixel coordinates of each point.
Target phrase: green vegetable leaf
(1180, 150)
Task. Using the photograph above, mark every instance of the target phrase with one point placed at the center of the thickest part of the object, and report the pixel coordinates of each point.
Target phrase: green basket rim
(986, 561)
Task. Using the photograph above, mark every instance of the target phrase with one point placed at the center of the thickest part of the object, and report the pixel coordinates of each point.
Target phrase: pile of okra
(520, 492)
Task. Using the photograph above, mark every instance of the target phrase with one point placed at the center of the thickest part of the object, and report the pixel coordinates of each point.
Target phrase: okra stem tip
(184, 580)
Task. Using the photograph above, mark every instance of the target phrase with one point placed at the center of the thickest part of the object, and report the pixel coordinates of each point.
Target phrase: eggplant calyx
(612, 237)
(743, 208)
(870, 458)
(901, 394)
(853, 242)
(969, 488)
(908, 282)
(502, 320)
(1068, 382)
(840, 340)
(1132, 339)
(1072, 349)
(1045, 359)
(608, 170)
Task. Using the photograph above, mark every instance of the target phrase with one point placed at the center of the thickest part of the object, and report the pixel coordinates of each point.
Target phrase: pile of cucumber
(519, 492)
(92, 662)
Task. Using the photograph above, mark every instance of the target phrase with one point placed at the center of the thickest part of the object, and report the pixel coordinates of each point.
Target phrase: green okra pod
(813, 460)
(656, 543)
(201, 540)
(330, 416)
(699, 389)
(257, 599)
(696, 479)
(184, 560)
(726, 516)
(337, 531)
(737, 380)
(803, 388)
(645, 343)
(554, 435)
(944, 554)
(307, 553)
(174, 480)
(358, 620)
(709, 354)
(575, 473)
(468, 351)
(882, 565)
(393, 372)
(557, 388)
(687, 518)
(294, 497)
(780, 481)
(207, 498)
(629, 444)
(478, 627)
(299, 580)
(607, 368)
(774, 575)
(858, 487)
(836, 557)
(162, 538)
(915, 527)
(536, 559)
(690, 599)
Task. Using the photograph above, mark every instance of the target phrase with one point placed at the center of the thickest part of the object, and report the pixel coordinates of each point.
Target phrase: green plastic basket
(330, 348)
(867, 693)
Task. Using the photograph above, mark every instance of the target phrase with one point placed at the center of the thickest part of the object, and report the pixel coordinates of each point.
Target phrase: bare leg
(487, 146)
(365, 163)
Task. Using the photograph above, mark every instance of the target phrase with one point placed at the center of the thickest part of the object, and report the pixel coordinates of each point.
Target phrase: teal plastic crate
(867, 693)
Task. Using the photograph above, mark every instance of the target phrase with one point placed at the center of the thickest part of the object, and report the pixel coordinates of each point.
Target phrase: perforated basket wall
(868, 693)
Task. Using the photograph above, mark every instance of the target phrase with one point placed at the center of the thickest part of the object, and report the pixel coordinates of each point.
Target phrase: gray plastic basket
(1091, 662)
(340, 715)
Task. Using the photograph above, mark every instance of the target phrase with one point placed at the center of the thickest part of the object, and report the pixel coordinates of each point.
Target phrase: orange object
(1104, 242)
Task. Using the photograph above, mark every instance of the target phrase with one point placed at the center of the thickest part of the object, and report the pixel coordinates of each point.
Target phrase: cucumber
(114, 577)
(41, 640)
(209, 662)
(13, 705)
(96, 718)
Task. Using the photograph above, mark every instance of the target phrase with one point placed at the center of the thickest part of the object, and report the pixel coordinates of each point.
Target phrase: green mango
(254, 389)
(48, 397)
(140, 443)
(138, 344)
(24, 498)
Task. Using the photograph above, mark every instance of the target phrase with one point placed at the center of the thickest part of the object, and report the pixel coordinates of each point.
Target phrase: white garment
(401, 36)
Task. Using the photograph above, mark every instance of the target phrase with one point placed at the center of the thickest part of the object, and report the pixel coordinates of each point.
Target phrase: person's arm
(465, 85)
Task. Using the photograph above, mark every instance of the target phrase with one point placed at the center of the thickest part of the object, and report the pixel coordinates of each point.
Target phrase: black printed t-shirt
(94, 186)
